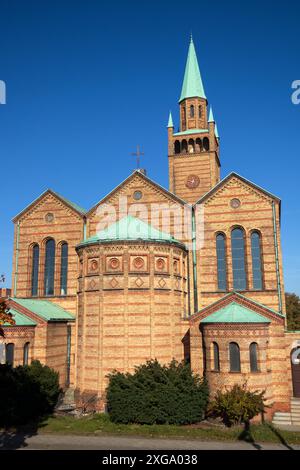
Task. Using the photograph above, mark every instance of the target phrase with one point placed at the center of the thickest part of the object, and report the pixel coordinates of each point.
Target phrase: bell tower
(194, 166)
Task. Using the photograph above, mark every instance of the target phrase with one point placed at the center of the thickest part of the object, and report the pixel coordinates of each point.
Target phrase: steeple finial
(211, 115)
(192, 82)
(170, 122)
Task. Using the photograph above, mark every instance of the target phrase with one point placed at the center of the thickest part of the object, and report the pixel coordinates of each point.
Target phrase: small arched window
(184, 146)
(256, 261)
(200, 111)
(9, 354)
(177, 146)
(192, 111)
(64, 268)
(49, 267)
(191, 146)
(206, 144)
(26, 354)
(253, 352)
(216, 357)
(198, 145)
(35, 270)
(234, 357)
(238, 259)
(221, 261)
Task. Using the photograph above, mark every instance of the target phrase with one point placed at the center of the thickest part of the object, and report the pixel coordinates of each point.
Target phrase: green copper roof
(130, 228)
(211, 115)
(235, 313)
(192, 131)
(72, 204)
(170, 122)
(20, 319)
(192, 82)
(45, 309)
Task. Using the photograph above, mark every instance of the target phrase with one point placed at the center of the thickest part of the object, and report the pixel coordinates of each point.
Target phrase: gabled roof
(70, 204)
(192, 83)
(244, 180)
(145, 178)
(130, 228)
(236, 308)
(20, 319)
(235, 313)
(44, 309)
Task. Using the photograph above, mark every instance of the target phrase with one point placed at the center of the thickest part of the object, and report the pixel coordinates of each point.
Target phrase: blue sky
(89, 80)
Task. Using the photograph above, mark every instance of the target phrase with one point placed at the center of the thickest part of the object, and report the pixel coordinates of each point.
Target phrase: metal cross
(138, 154)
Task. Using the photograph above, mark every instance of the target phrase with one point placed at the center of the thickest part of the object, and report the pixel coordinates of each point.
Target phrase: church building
(192, 272)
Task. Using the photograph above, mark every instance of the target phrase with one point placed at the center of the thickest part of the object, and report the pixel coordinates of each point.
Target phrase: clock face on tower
(192, 181)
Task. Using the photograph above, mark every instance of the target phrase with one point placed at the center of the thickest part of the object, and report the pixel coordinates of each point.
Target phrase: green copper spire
(170, 122)
(192, 82)
(211, 115)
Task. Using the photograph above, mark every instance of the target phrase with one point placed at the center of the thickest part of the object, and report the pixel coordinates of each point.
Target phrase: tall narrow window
(192, 111)
(256, 261)
(221, 262)
(35, 270)
(25, 354)
(253, 352)
(49, 267)
(234, 357)
(216, 357)
(64, 269)
(238, 259)
(200, 111)
(9, 354)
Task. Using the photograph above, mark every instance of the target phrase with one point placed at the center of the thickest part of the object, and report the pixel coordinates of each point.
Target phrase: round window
(49, 217)
(235, 203)
(137, 195)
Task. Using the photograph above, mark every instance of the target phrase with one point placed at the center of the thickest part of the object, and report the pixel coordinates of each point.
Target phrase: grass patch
(100, 424)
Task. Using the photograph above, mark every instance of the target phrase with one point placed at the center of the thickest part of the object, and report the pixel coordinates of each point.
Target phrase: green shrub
(156, 394)
(237, 405)
(27, 392)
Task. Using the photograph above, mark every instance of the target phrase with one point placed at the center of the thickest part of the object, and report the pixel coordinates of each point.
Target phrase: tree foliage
(237, 405)
(292, 311)
(27, 392)
(5, 316)
(156, 394)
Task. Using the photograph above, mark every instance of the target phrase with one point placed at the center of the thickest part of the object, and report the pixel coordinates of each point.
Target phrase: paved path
(71, 442)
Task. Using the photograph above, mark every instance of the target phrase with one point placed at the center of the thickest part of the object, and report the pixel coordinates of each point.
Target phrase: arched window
(234, 357)
(35, 270)
(216, 356)
(191, 146)
(49, 267)
(177, 146)
(256, 261)
(9, 354)
(200, 111)
(63, 268)
(26, 354)
(221, 261)
(253, 352)
(198, 145)
(238, 259)
(184, 146)
(206, 144)
(192, 111)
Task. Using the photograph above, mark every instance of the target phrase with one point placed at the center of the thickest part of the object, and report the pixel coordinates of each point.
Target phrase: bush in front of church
(27, 392)
(237, 405)
(157, 394)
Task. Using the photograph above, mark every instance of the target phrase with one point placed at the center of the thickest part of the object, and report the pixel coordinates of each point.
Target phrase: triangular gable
(143, 177)
(79, 210)
(225, 180)
(20, 319)
(247, 306)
